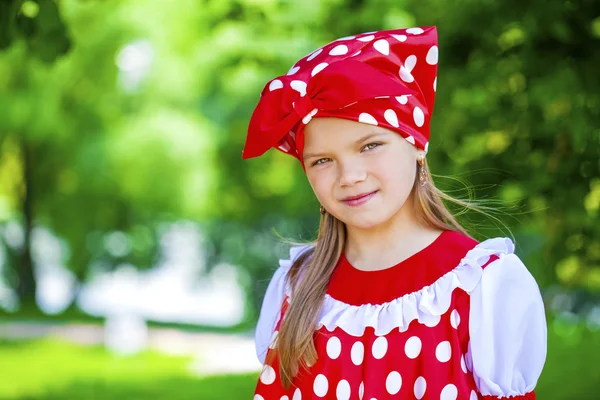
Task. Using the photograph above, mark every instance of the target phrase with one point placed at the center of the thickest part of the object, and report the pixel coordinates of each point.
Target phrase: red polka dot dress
(457, 320)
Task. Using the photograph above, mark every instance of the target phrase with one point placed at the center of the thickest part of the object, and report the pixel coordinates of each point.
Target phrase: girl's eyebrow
(356, 142)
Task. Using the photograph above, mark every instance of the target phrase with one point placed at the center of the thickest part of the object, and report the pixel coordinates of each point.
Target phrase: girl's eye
(371, 146)
(321, 161)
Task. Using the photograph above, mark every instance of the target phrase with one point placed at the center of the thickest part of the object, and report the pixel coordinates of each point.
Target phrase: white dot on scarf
(405, 75)
(343, 390)
(361, 390)
(400, 38)
(314, 54)
(426, 147)
(419, 117)
(284, 397)
(268, 375)
(432, 55)
(415, 31)
(410, 139)
(473, 395)
(275, 84)
(357, 353)
(334, 347)
(355, 54)
(463, 366)
(321, 385)
(297, 395)
(449, 392)
(443, 351)
(393, 383)
(258, 397)
(299, 86)
(382, 46)
(380, 346)
(347, 38)
(435, 84)
(412, 348)
(366, 38)
(402, 99)
(293, 70)
(454, 319)
(367, 119)
(420, 387)
(318, 69)
(391, 118)
(339, 50)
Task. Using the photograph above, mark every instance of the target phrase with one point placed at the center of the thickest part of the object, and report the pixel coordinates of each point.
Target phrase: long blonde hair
(295, 344)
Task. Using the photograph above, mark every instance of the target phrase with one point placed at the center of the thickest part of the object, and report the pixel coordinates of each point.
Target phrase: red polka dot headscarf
(385, 78)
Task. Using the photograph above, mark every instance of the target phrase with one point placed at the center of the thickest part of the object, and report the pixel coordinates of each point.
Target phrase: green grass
(55, 370)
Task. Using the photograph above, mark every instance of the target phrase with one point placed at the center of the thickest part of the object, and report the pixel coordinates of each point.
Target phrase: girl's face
(361, 174)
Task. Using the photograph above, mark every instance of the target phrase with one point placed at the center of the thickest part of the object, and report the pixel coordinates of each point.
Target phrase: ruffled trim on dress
(426, 305)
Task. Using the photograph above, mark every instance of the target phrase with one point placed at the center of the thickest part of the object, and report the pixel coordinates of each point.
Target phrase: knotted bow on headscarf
(337, 86)
(386, 78)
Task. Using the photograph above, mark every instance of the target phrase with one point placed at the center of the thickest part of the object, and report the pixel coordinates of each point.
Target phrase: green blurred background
(135, 245)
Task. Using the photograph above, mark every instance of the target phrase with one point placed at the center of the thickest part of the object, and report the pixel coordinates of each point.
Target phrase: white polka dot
(419, 116)
(405, 75)
(318, 69)
(435, 84)
(284, 397)
(367, 119)
(454, 319)
(308, 117)
(431, 320)
(382, 46)
(426, 147)
(449, 392)
(473, 395)
(275, 84)
(412, 348)
(355, 54)
(347, 38)
(410, 62)
(361, 390)
(380, 346)
(463, 366)
(343, 390)
(410, 139)
(432, 56)
(299, 86)
(402, 99)
(393, 383)
(314, 54)
(268, 375)
(391, 118)
(420, 387)
(400, 38)
(366, 38)
(293, 70)
(321, 385)
(273, 342)
(297, 395)
(334, 347)
(357, 353)
(339, 50)
(258, 397)
(415, 31)
(443, 351)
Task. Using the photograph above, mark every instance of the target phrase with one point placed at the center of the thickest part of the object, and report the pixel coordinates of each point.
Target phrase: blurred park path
(213, 353)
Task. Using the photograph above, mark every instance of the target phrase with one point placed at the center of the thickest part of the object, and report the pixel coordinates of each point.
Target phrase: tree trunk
(27, 285)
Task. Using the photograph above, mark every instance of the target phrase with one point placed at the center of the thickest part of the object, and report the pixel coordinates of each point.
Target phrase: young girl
(394, 300)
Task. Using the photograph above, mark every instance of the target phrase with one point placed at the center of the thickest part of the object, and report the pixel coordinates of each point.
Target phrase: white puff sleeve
(272, 302)
(508, 333)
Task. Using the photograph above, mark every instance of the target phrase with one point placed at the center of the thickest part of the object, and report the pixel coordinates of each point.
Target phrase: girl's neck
(388, 244)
